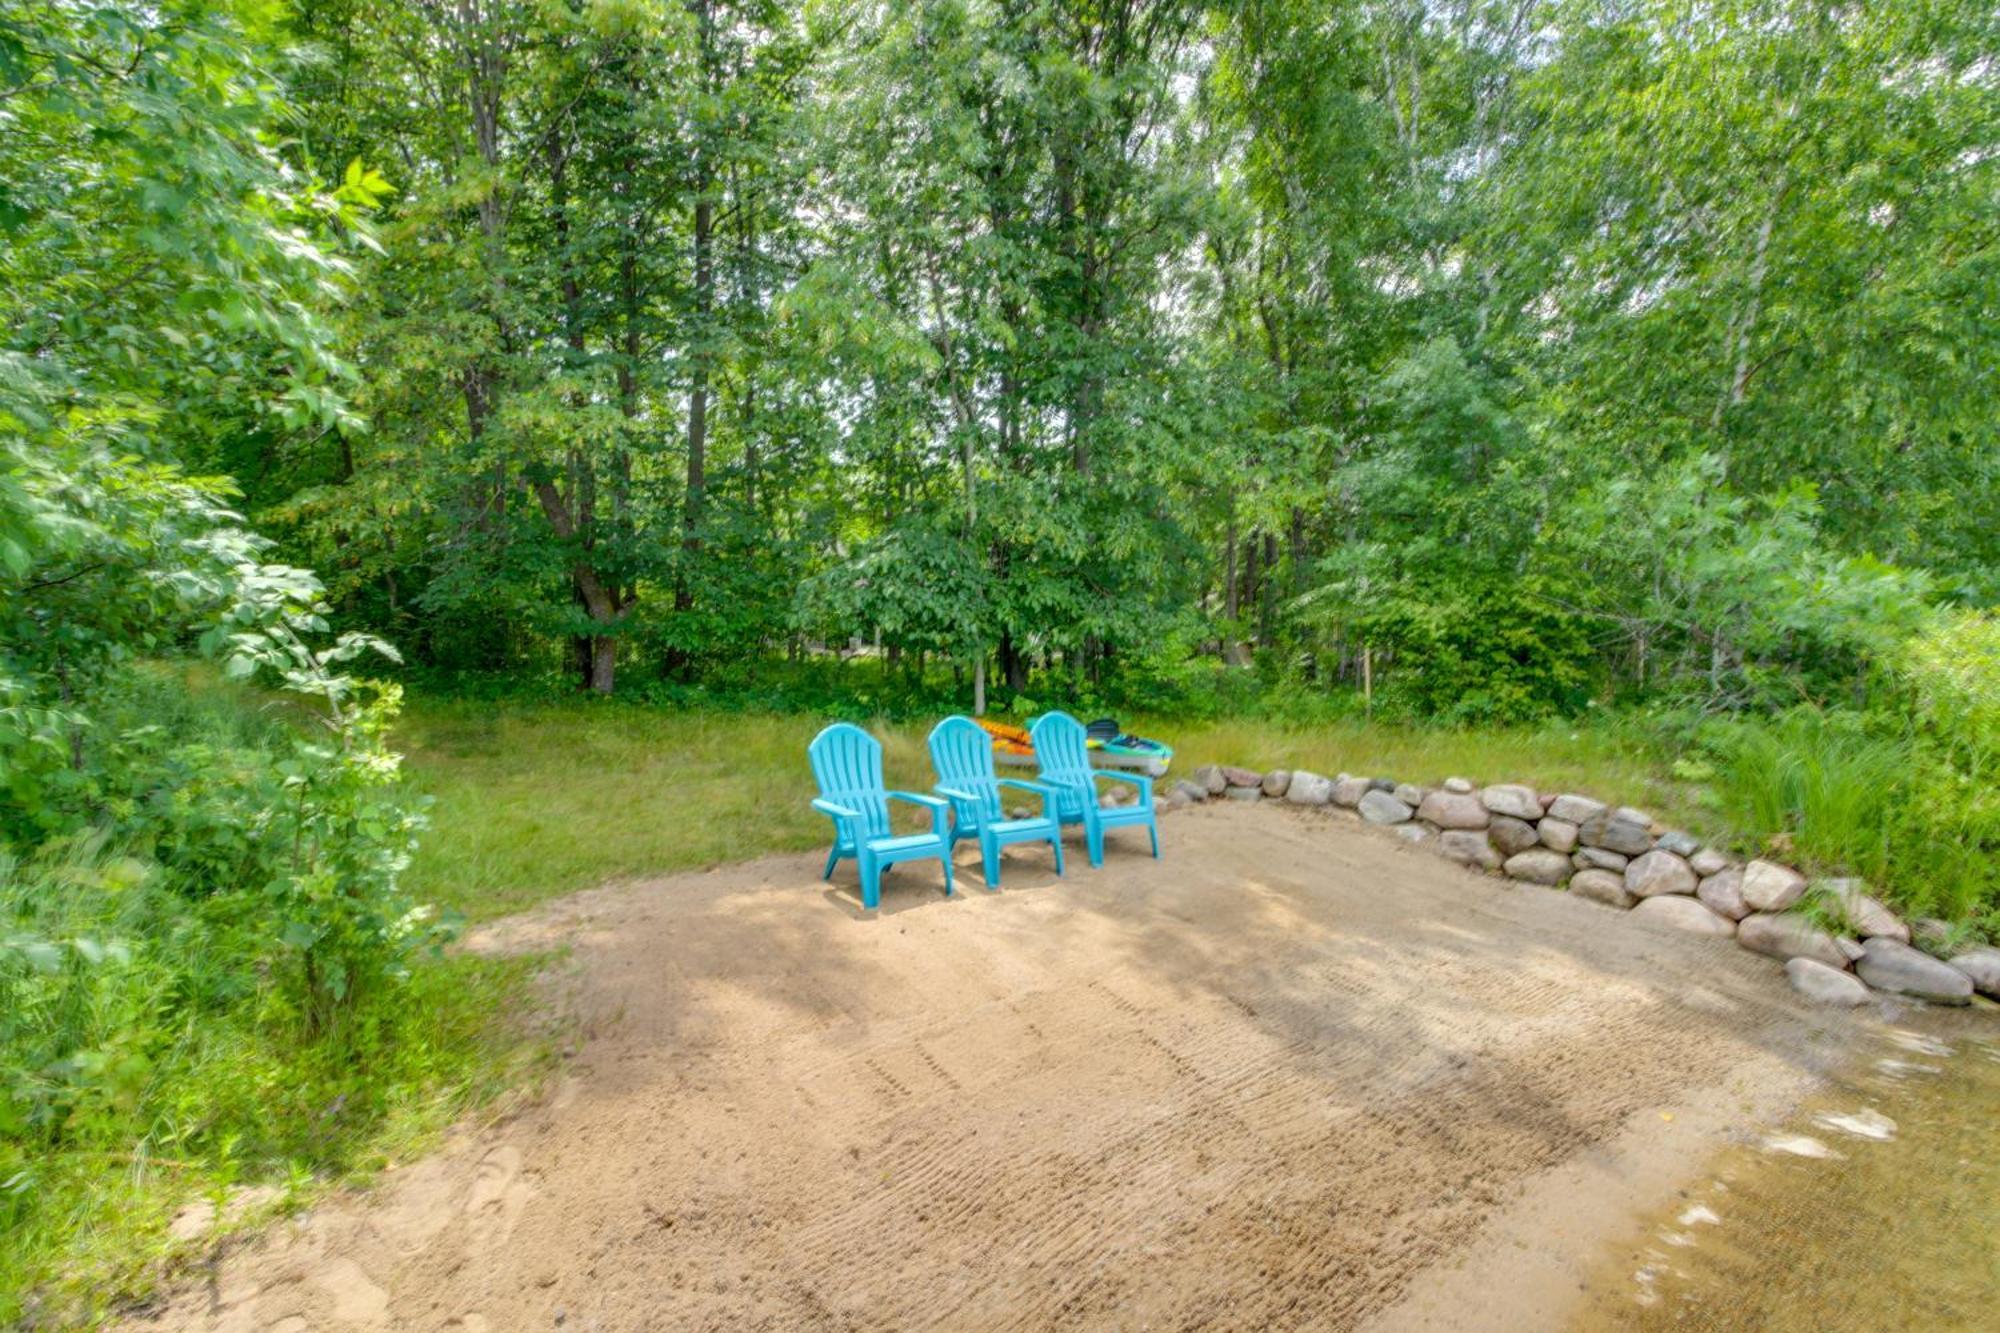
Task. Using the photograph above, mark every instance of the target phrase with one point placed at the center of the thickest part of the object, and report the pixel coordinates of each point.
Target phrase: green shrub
(1492, 654)
(150, 1056)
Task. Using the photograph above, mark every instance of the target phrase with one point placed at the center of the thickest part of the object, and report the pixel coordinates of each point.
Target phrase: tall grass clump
(1902, 792)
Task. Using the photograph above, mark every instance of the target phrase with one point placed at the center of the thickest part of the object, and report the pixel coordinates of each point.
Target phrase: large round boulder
(1683, 913)
(1709, 861)
(1209, 778)
(1538, 866)
(1511, 798)
(1983, 966)
(1723, 892)
(1770, 887)
(1308, 788)
(1576, 809)
(1454, 810)
(1658, 872)
(1511, 835)
(1602, 886)
(1276, 781)
(1786, 935)
(1598, 858)
(1825, 985)
(1866, 913)
(1895, 967)
(1468, 847)
(1622, 830)
(1558, 834)
(1379, 807)
(1348, 791)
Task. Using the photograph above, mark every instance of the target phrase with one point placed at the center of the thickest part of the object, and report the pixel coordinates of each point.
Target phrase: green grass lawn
(539, 799)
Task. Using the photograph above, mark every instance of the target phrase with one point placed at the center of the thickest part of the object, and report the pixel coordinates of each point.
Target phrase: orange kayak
(1006, 739)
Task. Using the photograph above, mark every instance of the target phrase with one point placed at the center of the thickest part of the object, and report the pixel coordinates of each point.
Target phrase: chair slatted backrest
(1061, 752)
(847, 764)
(962, 754)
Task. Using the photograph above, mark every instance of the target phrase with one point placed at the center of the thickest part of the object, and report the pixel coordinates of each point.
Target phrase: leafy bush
(149, 1056)
(1495, 654)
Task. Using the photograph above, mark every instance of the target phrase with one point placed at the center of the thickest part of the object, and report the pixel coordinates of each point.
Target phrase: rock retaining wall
(1624, 859)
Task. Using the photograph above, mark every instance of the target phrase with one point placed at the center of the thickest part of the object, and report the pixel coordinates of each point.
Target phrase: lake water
(1875, 1207)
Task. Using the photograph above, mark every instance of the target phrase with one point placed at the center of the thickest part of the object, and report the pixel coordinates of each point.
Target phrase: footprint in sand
(497, 1198)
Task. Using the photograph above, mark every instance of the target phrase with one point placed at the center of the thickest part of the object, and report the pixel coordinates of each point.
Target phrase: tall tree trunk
(699, 360)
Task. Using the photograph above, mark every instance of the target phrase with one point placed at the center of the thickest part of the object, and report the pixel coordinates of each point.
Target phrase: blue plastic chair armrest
(940, 810)
(826, 807)
(954, 794)
(1025, 785)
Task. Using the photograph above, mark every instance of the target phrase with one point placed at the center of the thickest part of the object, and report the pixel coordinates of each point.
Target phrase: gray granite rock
(1603, 886)
(1210, 779)
(1511, 798)
(1658, 872)
(1511, 835)
(1825, 985)
(1983, 966)
(1723, 892)
(1458, 786)
(1770, 887)
(1538, 865)
(1557, 834)
(1621, 830)
(1236, 776)
(1410, 794)
(1414, 833)
(1680, 844)
(1454, 810)
(1890, 965)
(1469, 847)
(1576, 809)
(1788, 935)
(1709, 861)
(1348, 791)
(1276, 781)
(1245, 794)
(1379, 807)
(1869, 916)
(1599, 858)
(1308, 788)
(1684, 913)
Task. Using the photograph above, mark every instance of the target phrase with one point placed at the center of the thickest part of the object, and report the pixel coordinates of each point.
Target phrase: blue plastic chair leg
(1055, 841)
(871, 884)
(832, 860)
(989, 861)
(1094, 835)
(945, 861)
(1154, 829)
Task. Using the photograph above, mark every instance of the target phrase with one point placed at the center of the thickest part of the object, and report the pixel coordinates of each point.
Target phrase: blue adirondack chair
(962, 754)
(1065, 762)
(847, 764)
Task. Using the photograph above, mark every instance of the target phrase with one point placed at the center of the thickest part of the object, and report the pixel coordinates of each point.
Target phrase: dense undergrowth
(197, 1006)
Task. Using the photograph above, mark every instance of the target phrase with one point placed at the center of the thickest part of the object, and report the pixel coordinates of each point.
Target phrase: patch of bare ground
(1292, 1076)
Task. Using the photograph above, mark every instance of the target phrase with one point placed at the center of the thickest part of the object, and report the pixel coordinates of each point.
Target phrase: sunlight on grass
(535, 800)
